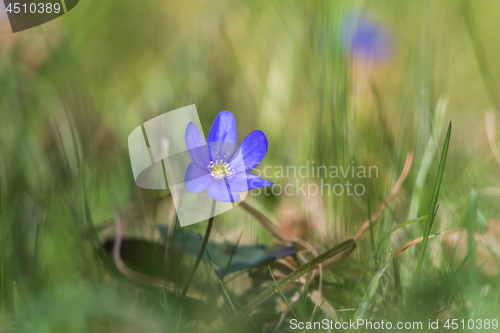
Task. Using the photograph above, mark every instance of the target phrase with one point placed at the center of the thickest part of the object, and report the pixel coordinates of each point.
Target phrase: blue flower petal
(252, 150)
(366, 38)
(196, 180)
(220, 191)
(242, 182)
(238, 182)
(196, 146)
(222, 136)
(255, 181)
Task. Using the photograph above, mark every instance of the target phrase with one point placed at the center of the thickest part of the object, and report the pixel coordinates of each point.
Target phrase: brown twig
(130, 273)
(143, 279)
(266, 222)
(370, 222)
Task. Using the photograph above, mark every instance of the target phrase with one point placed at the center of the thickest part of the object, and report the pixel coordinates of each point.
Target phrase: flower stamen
(221, 169)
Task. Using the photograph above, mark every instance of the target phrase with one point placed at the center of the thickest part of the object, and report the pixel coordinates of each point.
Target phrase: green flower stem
(200, 255)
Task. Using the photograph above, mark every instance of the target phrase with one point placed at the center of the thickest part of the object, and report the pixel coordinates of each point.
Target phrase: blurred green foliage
(72, 90)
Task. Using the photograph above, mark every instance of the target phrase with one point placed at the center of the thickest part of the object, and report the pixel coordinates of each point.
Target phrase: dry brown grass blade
(370, 222)
(416, 241)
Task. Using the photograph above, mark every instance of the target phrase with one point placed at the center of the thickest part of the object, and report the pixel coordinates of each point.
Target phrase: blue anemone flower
(222, 169)
(366, 38)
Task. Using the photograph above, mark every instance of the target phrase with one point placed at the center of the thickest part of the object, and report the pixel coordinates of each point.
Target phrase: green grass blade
(425, 164)
(372, 239)
(228, 296)
(480, 53)
(432, 213)
(281, 292)
(224, 289)
(470, 226)
(307, 267)
(374, 253)
(372, 288)
(16, 301)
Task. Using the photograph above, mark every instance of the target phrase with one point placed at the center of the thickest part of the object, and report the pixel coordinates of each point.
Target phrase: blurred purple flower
(222, 170)
(366, 39)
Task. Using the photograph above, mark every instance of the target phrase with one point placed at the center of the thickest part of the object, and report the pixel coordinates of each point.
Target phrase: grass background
(72, 90)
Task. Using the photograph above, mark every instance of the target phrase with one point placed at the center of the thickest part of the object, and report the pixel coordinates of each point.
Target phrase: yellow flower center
(221, 169)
